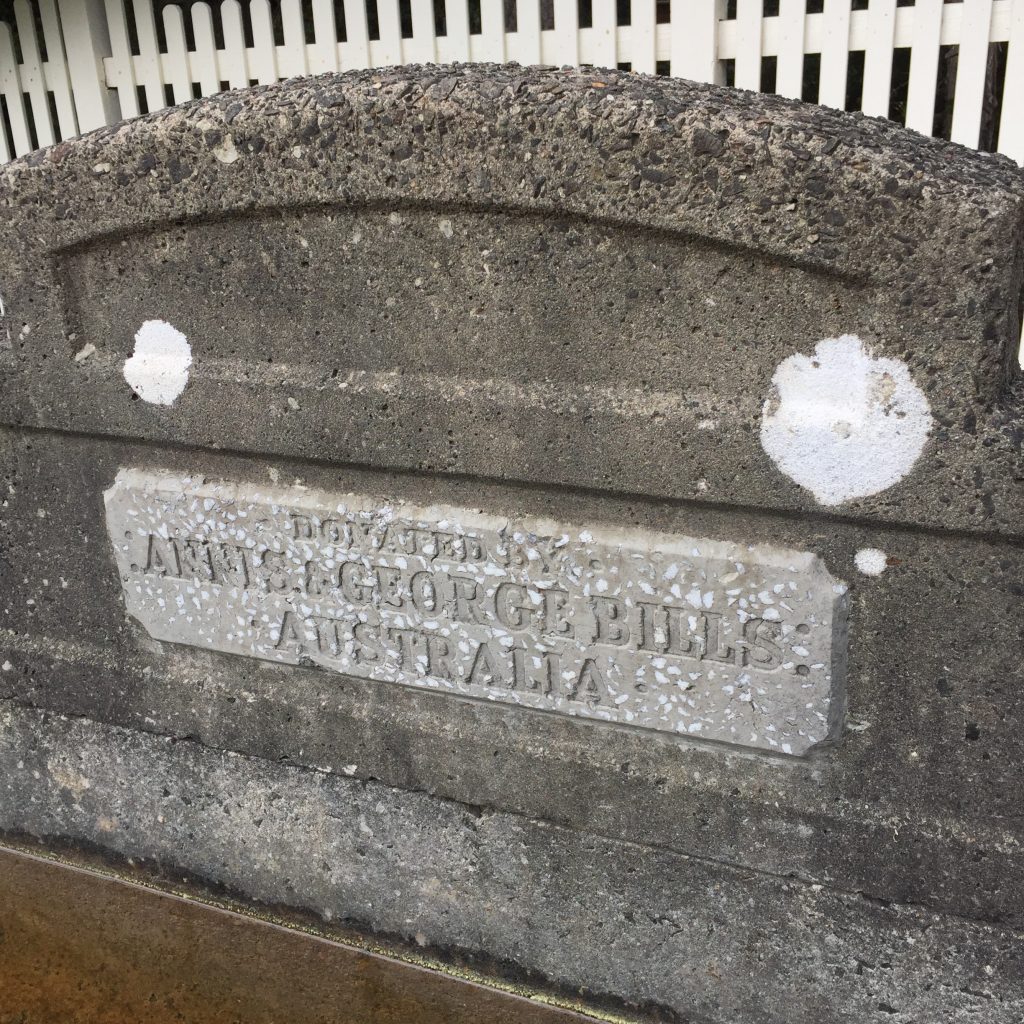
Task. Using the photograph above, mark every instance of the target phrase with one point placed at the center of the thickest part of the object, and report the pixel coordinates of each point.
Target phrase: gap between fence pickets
(745, 40)
(697, 49)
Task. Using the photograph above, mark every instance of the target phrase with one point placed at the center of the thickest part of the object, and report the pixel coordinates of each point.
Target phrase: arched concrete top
(743, 168)
(923, 236)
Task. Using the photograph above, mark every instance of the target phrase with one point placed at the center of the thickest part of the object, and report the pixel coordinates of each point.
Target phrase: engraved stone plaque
(705, 638)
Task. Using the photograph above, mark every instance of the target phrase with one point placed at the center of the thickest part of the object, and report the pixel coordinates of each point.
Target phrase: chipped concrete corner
(566, 525)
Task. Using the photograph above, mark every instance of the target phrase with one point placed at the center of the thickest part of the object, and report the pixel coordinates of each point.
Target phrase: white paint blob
(870, 561)
(157, 371)
(842, 422)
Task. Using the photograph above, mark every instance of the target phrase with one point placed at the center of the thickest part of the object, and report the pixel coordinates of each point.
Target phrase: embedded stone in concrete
(706, 638)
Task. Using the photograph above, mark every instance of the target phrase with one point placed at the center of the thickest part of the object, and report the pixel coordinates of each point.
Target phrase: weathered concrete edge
(954, 172)
(737, 129)
(89, 875)
(95, 809)
(708, 752)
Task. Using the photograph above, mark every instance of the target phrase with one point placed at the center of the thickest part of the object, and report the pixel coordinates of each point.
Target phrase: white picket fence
(67, 66)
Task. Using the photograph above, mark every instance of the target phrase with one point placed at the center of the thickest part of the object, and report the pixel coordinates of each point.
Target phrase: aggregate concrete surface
(587, 297)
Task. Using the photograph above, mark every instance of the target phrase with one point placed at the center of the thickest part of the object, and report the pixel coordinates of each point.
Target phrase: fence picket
(97, 84)
(176, 70)
(324, 52)
(1011, 123)
(11, 90)
(748, 44)
(924, 65)
(420, 47)
(694, 41)
(642, 37)
(835, 54)
(233, 67)
(971, 69)
(263, 59)
(123, 77)
(355, 52)
(605, 36)
(455, 44)
(6, 61)
(524, 45)
(789, 75)
(83, 23)
(57, 77)
(567, 31)
(388, 49)
(490, 44)
(878, 57)
(292, 57)
(33, 81)
(148, 73)
(205, 69)
(6, 52)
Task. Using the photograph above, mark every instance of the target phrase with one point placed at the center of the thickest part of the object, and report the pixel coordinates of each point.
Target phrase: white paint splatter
(842, 422)
(870, 561)
(157, 371)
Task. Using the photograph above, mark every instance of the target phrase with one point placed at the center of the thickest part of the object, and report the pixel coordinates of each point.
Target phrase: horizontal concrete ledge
(671, 936)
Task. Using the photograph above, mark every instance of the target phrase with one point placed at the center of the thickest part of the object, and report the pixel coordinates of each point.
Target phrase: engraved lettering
(162, 557)
(353, 585)
(485, 668)
(556, 621)
(536, 670)
(610, 618)
(589, 685)
(365, 648)
(628, 626)
(468, 600)
(289, 634)
(196, 560)
(408, 653)
(715, 647)
(511, 605)
(328, 636)
(424, 592)
(439, 658)
(318, 580)
(274, 574)
(388, 580)
(763, 648)
(679, 639)
(231, 564)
